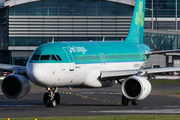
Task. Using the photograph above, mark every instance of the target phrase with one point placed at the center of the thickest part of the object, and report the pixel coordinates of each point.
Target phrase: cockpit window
(45, 57)
(58, 58)
(35, 57)
(54, 58)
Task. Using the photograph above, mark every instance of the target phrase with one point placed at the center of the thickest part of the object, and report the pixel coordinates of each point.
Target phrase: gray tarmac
(89, 102)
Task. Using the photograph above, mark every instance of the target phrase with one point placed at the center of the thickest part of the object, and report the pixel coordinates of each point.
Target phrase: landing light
(48, 88)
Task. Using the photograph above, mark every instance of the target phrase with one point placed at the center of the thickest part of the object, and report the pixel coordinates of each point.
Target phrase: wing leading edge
(12, 67)
(125, 73)
(162, 52)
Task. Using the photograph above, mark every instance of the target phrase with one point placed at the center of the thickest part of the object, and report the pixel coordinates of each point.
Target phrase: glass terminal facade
(164, 13)
(160, 41)
(26, 25)
(164, 17)
(162, 25)
(35, 23)
(166, 8)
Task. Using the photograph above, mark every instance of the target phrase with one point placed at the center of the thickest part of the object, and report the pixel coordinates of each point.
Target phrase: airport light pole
(152, 15)
(176, 14)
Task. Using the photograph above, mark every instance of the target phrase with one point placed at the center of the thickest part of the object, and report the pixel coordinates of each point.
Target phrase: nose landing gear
(51, 97)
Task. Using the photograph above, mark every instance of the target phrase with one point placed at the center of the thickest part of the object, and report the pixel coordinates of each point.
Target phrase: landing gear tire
(135, 102)
(51, 97)
(53, 103)
(48, 102)
(57, 98)
(46, 96)
(125, 101)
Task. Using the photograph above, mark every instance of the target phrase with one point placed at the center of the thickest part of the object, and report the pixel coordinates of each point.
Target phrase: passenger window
(35, 57)
(54, 58)
(45, 57)
(58, 58)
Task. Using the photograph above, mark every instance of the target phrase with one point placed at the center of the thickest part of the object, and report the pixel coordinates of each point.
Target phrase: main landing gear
(125, 101)
(51, 97)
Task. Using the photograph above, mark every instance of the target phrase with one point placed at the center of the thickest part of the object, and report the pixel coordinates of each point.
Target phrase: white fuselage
(62, 74)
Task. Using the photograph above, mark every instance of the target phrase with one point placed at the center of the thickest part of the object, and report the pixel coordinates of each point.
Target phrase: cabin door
(70, 57)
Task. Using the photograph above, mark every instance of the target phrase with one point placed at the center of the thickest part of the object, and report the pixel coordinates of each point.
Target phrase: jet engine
(15, 86)
(136, 88)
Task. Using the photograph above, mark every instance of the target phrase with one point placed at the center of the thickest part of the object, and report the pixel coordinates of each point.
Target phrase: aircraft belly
(58, 74)
(82, 70)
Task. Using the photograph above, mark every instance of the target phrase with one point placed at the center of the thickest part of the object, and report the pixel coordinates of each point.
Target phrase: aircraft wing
(126, 73)
(12, 67)
(162, 52)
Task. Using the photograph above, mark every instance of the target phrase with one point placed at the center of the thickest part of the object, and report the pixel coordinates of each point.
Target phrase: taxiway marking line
(95, 99)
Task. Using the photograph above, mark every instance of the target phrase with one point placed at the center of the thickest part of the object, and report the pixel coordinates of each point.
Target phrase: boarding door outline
(70, 57)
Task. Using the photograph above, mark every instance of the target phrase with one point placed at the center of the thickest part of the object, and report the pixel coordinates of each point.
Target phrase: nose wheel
(51, 97)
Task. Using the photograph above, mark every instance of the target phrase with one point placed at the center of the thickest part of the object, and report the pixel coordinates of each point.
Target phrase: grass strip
(135, 117)
(165, 82)
(174, 92)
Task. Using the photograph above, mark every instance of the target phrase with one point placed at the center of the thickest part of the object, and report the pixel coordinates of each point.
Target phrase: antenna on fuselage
(53, 40)
(103, 38)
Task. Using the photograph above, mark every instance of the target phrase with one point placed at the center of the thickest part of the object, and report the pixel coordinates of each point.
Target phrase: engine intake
(136, 88)
(15, 86)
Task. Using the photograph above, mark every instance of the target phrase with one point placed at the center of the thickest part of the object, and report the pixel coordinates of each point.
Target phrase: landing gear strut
(51, 97)
(125, 101)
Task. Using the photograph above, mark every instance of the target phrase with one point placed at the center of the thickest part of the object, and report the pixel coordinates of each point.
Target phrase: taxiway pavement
(86, 102)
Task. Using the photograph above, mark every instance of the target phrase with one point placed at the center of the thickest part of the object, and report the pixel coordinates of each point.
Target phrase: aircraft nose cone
(37, 73)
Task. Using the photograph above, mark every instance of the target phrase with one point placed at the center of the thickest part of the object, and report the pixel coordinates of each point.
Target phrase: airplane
(88, 64)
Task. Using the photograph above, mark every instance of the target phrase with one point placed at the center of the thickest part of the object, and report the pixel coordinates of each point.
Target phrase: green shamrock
(139, 16)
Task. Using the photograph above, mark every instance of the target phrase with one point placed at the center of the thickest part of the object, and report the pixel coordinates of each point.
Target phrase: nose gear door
(70, 57)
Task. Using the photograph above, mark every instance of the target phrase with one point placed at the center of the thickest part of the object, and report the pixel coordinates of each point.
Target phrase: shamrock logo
(139, 16)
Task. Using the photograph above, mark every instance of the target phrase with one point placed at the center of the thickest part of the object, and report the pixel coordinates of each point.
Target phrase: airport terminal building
(26, 24)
